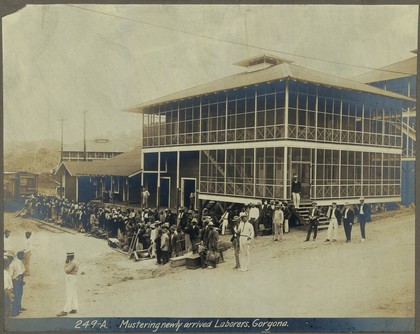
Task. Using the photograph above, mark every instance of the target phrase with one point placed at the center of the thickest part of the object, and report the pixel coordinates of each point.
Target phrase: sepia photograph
(209, 168)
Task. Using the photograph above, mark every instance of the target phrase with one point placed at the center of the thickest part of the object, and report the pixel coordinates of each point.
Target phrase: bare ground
(291, 278)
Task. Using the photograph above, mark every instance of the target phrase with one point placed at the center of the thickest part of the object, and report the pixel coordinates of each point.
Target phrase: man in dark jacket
(296, 188)
(314, 214)
(363, 216)
(348, 221)
(212, 242)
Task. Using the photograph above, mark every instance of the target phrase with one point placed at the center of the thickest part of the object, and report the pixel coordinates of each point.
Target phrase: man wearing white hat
(246, 231)
(71, 268)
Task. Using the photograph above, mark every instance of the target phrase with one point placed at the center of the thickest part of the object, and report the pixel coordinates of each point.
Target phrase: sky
(62, 60)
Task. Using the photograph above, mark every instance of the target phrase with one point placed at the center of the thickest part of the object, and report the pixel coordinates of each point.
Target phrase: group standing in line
(336, 216)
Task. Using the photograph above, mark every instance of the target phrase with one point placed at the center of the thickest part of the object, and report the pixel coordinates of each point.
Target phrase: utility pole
(84, 136)
(62, 138)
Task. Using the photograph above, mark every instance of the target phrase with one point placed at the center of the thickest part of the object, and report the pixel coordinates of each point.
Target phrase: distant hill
(37, 157)
(44, 155)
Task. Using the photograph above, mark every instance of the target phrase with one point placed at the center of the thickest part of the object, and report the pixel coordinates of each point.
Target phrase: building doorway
(165, 192)
(188, 187)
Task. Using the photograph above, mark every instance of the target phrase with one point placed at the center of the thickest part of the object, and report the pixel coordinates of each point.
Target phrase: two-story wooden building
(241, 138)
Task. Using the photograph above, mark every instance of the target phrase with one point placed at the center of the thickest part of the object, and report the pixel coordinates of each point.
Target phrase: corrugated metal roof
(277, 72)
(126, 164)
(401, 69)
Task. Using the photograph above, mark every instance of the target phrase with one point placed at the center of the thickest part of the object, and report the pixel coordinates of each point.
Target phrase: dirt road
(291, 278)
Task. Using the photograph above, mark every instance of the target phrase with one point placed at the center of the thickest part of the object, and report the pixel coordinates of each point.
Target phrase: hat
(361, 199)
(242, 214)
(211, 223)
(70, 253)
(166, 225)
(314, 203)
(295, 175)
(194, 220)
(235, 219)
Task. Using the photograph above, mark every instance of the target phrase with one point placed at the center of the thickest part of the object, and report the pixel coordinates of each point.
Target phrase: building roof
(97, 145)
(401, 69)
(126, 164)
(281, 71)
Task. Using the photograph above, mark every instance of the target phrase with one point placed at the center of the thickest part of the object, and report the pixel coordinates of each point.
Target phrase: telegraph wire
(247, 45)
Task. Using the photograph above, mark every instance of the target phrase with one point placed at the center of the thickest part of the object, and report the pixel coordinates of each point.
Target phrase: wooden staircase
(302, 214)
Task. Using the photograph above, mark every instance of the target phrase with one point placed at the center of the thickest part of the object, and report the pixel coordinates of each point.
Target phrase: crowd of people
(165, 233)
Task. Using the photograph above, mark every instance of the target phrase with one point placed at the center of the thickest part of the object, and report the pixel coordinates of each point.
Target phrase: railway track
(50, 227)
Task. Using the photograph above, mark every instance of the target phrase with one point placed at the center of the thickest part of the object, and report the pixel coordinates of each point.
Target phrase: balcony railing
(272, 132)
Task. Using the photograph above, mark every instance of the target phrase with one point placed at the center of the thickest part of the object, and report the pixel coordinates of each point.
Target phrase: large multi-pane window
(347, 174)
(258, 112)
(259, 172)
(243, 114)
(250, 172)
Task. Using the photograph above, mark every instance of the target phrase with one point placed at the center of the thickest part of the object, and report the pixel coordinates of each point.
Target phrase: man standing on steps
(71, 268)
(334, 216)
(348, 221)
(313, 221)
(296, 188)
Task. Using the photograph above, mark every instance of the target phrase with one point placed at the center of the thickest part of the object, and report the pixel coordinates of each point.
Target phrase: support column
(286, 110)
(178, 189)
(127, 188)
(285, 167)
(255, 170)
(316, 115)
(158, 183)
(255, 121)
(112, 189)
(315, 172)
(77, 189)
